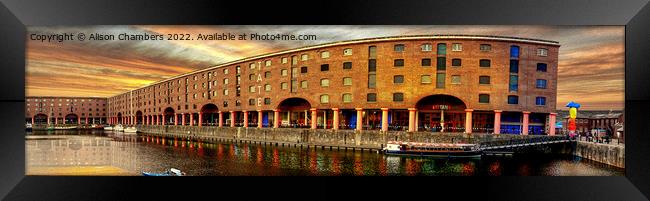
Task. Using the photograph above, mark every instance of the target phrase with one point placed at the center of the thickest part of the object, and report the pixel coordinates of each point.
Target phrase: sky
(590, 69)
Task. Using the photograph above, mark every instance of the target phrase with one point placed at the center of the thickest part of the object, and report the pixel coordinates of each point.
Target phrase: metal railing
(529, 140)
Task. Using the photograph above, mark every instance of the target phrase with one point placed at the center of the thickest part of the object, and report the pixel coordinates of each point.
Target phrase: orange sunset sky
(590, 71)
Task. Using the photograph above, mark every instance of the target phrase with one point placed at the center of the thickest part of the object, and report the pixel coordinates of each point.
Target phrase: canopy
(573, 104)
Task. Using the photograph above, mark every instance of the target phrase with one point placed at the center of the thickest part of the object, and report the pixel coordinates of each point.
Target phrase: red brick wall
(413, 90)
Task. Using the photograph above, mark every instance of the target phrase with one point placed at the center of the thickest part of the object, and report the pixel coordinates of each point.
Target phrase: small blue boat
(170, 172)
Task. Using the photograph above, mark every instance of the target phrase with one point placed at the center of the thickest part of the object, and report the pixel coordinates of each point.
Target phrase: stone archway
(294, 112)
(441, 113)
(71, 119)
(209, 114)
(168, 115)
(138, 117)
(40, 118)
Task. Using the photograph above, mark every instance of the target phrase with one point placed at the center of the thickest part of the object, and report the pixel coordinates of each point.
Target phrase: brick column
(33, 120)
(163, 119)
(335, 120)
(78, 120)
(313, 117)
(232, 118)
(259, 118)
(524, 129)
(220, 119)
(48, 120)
(182, 119)
(468, 120)
(276, 119)
(384, 119)
(191, 119)
(497, 121)
(551, 121)
(56, 120)
(143, 121)
(200, 119)
(359, 118)
(412, 119)
(86, 120)
(175, 119)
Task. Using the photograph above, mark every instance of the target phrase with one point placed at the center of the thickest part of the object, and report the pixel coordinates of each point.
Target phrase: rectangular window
(426, 62)
(399, 62)
(347, 65)
(514, 66)
(372, 52)
(284, 85)
(484, 79)
(514, 51)
(398, 97)
(371, 97)
(542, 52)
(513, 86)
(513, 100)
(372, 65)
(427, 47)
(267, 74)
(540, 101)
(251, 101)
(399, 48)
(251, 89)
(304, 57)
(372, 82)
(425, 79)
(486, 47)
(284, 60)
(484, 63)
(324, 67)
(303, 69)
(440, 80)
(455, 79)
(284, 72)
(347, 81)
(347, 52)
(455, 62)
(267, 87)
(251, 66)
(441, 64)
(442, 49)
(324, 99)
(456, 47)
(294, 60)
(303, 84)
(347, 98)
(267, 63)
(324, 82)
(484, 98)
(325, 54)
(541, 67)
(541, 84)
(398, 79)
(267, 101)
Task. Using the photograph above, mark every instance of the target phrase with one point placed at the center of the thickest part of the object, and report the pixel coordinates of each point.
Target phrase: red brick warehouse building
(440, 83)
(65, 110)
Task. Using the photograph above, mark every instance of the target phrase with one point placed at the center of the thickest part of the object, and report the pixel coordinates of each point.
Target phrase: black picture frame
(15, 15)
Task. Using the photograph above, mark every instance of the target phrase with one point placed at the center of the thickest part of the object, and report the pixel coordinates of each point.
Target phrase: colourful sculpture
(573, 113)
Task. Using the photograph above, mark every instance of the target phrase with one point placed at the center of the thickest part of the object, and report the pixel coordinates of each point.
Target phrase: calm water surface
(132, 154)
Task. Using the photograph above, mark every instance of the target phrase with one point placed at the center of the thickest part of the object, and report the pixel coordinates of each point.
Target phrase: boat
(108, 128)
(170, 172)
(97, 126)
(118, 128)
(130, 130)
(65, 127)
(28, 127)
(449, 150)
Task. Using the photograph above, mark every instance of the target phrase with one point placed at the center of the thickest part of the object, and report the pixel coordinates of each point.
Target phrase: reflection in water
(129, 155)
